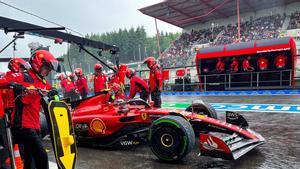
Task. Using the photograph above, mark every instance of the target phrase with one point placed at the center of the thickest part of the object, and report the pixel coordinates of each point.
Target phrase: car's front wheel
(171, 138)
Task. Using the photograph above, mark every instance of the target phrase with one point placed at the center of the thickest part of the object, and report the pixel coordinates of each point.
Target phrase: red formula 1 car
(169, 132)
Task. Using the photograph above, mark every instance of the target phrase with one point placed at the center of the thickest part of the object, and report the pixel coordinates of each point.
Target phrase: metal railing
(252, 80)
(228, 81)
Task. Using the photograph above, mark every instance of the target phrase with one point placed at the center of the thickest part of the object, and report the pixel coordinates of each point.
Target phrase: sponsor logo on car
(98, 126)
(209, 144)
(129, 143)
(144, 116)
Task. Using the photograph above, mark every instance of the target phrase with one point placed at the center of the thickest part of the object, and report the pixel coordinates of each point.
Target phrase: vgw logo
(129, 143)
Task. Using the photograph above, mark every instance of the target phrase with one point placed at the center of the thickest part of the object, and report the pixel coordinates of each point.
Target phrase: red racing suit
(69, 89)
(82, 87)
(1, 108)
(234, 67)
(155, 84)
(27, 107)
(138, 85)
(8, 94)
(220, 67)
(99, 82)
(155, 78)
(68, 85)
(247, 66)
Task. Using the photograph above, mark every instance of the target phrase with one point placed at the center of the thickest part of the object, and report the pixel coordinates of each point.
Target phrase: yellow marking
(201, 116)
(61, 116)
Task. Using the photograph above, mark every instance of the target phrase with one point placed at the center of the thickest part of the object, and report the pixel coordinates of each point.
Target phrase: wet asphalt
(281, 150)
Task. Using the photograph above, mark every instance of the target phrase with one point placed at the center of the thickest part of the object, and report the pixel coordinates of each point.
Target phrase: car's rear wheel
(171, 138)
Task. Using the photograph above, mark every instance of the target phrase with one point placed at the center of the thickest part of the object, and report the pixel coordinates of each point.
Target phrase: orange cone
(18, 159)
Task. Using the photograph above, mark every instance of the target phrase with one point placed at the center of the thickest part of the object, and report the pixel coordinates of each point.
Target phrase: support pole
(238, 20)
(157, 37)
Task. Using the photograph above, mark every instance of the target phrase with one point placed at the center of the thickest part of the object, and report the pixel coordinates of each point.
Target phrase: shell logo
(98, 126)
(41, 55)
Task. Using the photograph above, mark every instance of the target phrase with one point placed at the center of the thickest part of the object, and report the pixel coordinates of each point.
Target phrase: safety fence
(191, 81)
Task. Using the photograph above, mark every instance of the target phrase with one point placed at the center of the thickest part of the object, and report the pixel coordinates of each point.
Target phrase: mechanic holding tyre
(26, 123)
(137, 85)
(155, 80)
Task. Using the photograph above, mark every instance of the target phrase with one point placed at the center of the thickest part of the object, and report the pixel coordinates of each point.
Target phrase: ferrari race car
(169, 132)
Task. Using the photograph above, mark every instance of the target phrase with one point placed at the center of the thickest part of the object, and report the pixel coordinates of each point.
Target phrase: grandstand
(210, 23)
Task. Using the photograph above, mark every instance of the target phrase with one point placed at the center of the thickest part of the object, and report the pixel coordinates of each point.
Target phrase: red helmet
(78, 72)
(16, 63)
(97, 66)
(43, 58)
(130, 72)
(61, 76)
(122, 67)
(115, 87)
(150, 61)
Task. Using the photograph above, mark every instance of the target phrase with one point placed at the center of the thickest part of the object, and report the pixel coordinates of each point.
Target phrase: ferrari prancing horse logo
(144, 116)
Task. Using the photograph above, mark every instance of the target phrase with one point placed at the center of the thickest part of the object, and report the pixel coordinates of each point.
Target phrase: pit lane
(281, 131)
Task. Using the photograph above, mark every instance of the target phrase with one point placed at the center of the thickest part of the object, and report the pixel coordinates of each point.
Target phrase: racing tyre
(44, 127)
(202, 107)
(171, 138)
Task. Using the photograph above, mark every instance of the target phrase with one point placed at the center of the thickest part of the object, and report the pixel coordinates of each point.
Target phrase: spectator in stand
(295, 20)
(260, 28)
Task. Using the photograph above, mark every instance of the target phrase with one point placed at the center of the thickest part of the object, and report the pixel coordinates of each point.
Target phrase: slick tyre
(171, 138)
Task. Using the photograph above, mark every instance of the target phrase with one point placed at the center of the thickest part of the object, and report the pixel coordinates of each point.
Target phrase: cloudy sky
(95, 16)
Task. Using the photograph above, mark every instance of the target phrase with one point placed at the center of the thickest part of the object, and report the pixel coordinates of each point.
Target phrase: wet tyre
(202, 107)
(171, 138)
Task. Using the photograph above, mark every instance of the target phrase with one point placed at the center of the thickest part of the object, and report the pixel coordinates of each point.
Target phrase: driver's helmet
(150, 61)
(78, 72)
(16, 63)
(43, 59)
(130, 72)
(115, 87)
